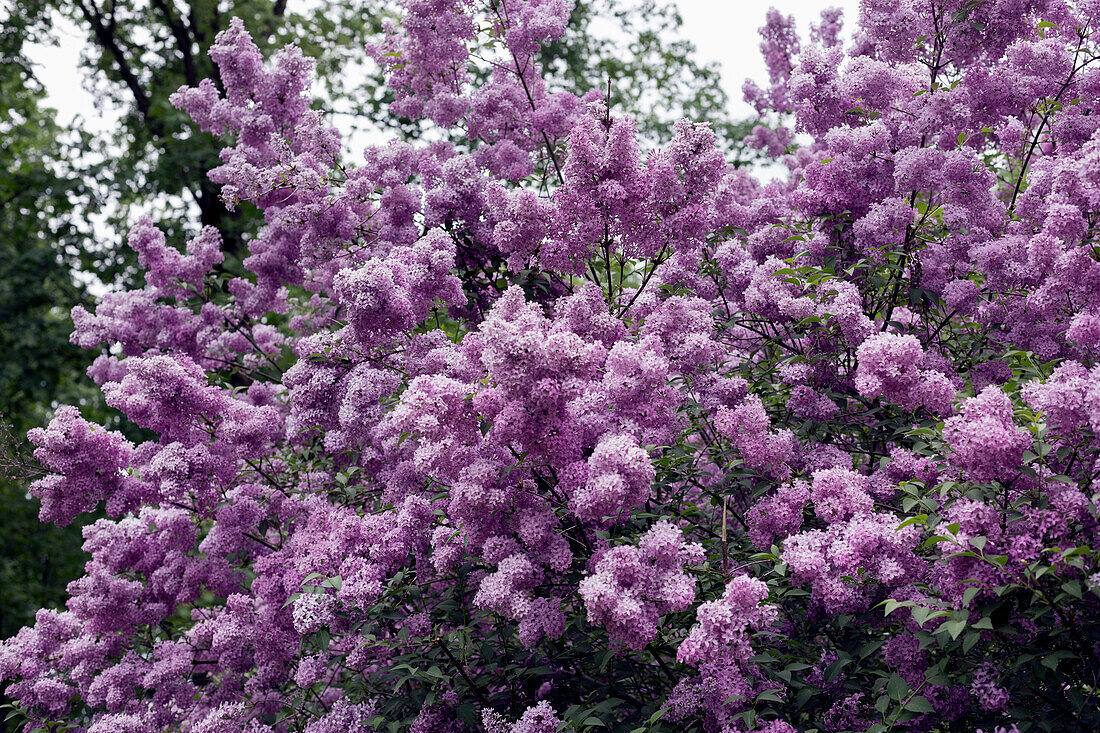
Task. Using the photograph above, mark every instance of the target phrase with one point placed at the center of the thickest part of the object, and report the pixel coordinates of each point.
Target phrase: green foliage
(40, 244)
(653, 72)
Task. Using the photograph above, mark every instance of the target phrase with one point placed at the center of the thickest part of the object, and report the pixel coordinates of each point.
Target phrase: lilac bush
(527, 427)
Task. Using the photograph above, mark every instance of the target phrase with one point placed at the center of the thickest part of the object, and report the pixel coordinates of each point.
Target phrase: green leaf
(897, 688)
(954, 627)
(919, 704)
(770, 695)
(1041, 28)
(917, 519)
(870, 648)
(834, 669)
(1051, 661)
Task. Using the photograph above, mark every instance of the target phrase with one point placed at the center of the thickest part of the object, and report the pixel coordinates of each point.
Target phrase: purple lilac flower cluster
(535, 428)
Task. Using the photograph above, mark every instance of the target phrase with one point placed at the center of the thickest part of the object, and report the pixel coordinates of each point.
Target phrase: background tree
(43, 246)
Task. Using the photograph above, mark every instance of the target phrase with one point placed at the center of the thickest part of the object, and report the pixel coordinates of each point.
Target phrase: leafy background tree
(43, 246)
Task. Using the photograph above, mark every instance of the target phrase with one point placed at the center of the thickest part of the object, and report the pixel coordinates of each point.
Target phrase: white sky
(722, 30)
(726, 31)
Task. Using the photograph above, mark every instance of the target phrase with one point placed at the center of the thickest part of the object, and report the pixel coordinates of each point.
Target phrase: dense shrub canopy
(546, 431)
